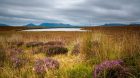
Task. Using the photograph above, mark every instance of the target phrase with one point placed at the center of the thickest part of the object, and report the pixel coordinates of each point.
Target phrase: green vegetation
(97, 50)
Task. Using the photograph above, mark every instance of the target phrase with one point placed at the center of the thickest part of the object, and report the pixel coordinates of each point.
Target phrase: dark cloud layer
(77, 12)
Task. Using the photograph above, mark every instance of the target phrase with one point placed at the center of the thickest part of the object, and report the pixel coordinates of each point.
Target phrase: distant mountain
(50, 25)
(135, 24)
(114, 24)
(4, 25)
(55, 25)
(31, 24)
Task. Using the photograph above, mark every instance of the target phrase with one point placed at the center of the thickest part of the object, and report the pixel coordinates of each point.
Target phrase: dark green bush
(56, 50)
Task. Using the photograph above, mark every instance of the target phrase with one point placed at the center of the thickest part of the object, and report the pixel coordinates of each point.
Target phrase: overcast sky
(75, 12)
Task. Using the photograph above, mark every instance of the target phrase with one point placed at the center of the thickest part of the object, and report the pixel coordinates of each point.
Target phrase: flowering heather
(111, 69)
(51, 64)
(18, 50)
(42, 66)
(18, 62)
(39, 67)
(15, 51)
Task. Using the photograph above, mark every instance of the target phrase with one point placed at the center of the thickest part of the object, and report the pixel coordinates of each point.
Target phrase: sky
(75, 12)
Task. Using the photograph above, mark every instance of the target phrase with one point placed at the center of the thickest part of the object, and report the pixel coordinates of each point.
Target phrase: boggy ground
(70, 54)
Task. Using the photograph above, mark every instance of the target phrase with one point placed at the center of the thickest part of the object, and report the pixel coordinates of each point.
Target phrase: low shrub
(18, 51)
(34, 44)
(54, 43)
(51, 63)
(18, 62)
(16, 57)
(42, 66)
(56, 50)
(39, 67)
(112, 69)
(15, 44)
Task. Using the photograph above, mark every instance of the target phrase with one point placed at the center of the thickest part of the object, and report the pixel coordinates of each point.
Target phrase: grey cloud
(77, 12)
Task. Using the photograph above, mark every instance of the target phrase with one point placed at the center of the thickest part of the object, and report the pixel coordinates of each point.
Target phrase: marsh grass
(86, 47)
(2, 56)
(95, 47)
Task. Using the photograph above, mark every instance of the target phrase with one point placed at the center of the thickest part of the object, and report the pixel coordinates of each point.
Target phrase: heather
(112, 69)
(102, 53)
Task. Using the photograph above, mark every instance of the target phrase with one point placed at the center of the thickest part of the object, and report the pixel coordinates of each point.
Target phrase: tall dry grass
(95, 47)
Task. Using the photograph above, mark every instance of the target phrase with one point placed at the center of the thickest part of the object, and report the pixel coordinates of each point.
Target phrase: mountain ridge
(61, 25)
(30, 24)
(1, 24)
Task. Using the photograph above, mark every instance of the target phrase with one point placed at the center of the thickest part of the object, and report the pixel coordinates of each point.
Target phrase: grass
(95, 47)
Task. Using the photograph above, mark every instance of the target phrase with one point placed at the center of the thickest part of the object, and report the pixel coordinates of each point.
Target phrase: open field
(106, 52)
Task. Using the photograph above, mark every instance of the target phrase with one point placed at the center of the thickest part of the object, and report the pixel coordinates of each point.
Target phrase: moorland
(102, 52)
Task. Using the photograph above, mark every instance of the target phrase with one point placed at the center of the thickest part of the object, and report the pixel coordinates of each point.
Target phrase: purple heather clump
(51, 64)
(16, 57)
(18, 51)
(113, 69)
(41, 66)
(17, 62)
(15, 51)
